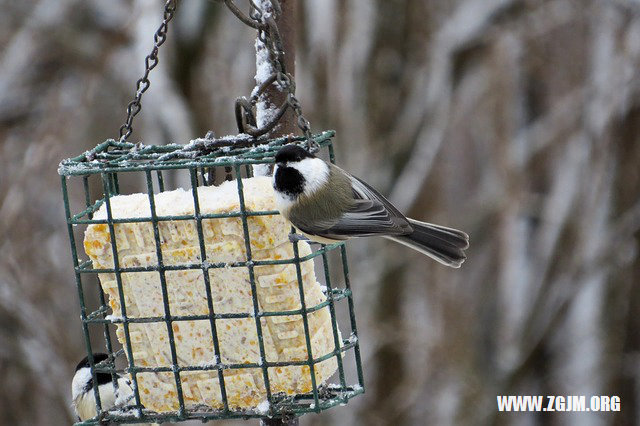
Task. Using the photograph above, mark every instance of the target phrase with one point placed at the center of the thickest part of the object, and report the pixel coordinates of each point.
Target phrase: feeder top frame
(113, 156)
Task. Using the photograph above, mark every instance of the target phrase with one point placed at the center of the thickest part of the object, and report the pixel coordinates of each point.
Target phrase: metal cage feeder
(91, 181)
(262, 334)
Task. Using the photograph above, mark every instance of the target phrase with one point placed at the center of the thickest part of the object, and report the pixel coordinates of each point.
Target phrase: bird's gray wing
(362, 190)
(371, 214)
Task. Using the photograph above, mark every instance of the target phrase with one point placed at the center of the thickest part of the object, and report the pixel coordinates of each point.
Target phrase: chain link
(150, 62)
(268, 33)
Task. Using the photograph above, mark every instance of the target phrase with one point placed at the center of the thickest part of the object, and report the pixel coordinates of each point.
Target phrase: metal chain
(150, 62)
(268, 33)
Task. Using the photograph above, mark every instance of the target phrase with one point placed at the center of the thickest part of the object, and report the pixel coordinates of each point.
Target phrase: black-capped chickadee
(82, 393)
(327, 204)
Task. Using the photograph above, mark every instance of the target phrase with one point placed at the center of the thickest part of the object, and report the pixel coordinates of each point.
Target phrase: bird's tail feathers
(446, 245)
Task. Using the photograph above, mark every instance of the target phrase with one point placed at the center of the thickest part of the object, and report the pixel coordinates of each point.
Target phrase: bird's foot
(294, 238)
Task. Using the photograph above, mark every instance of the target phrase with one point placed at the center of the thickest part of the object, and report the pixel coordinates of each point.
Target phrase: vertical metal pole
(273, 97)
(279, 422)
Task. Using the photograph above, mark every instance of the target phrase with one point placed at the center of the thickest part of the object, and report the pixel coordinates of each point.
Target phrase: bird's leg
(294, 238)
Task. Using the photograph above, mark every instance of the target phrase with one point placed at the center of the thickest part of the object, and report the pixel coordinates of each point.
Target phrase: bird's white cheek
(85, 403)
(315, 172)
(80, 380)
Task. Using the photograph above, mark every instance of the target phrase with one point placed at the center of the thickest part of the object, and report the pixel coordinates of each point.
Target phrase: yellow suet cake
(277, 290)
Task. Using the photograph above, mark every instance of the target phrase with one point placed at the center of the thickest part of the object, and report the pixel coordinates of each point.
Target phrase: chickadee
(82, 393)
(327, 204)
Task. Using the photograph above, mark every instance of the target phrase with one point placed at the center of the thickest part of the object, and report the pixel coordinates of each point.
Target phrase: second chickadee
(327, 204)
(82, 393)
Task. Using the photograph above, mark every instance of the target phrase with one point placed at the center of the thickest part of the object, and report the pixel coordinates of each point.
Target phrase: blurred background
(517, 121)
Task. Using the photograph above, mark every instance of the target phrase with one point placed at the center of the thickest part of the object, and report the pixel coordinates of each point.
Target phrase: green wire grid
(232, 155)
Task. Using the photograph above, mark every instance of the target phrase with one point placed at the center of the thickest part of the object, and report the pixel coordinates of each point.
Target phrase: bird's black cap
(292, 154)
(97, 357)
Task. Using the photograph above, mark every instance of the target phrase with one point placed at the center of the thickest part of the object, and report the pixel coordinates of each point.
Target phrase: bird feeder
(180, 260)
(186, 277)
